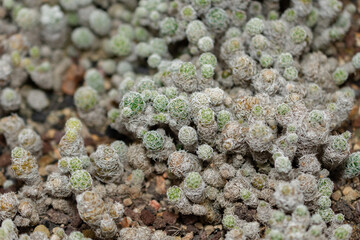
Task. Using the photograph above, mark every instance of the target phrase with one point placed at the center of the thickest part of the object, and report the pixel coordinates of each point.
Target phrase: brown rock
(160, 185)
(46, 147)
(88, 233)
(216, 236)
(336, 195)
(58, 217)
(199, 225)
(130, 213)
(154, 204)
(189, 219)
(209, 229)
(42, 228)
(72, 78)
(2, 178)
(45, 160)
(159, 223)
(345, 208)
(134, 192)
(50, 134)
(203, 236)
(188, 236)
(127, 202)
(75, 220)
(352, 195)
(243, 212)
(5, 160)
(147, 217)
(356, 122)
(170, 218)
(125, 222)
(346, 190)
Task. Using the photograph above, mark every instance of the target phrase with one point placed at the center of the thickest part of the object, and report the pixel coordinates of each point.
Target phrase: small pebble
(336, 195)
(2, 179)
(199, 225)
(188, 236)
(352, 195)
(346, 190)
(37, 100)
(209, 229)
(127, 202)
(155, 204)
(42, 228)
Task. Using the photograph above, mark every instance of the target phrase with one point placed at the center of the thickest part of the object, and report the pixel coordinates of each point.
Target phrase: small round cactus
(73, 123)
(206, 116)
(24, 165)
(195, 30)
(254, 26)
(86, 98)
(31, 141)
(9, 204)
(179, 108)
(106, 164)
(282, 165)
(206, 44)
(327, 214)
(153, 141)
(285, 60)
(290, 15)
(27, 18)
(121, 149)
(100, 22)
(205, 152)
(95, 80)
(187, 70)
(174, 194)
(298, 34)
(91, 207)
(83, 38)
(290, 73)
(275, 234)
(194, 187)
(10, 100)
(134, 101)
(81, 180)
(161, 103)
(340, 76)
(120, 45)
(324, 202)
(154, 60)
(74, 164)
(207, 71)
(168, 26)
(342, 232)
(325, 186)
(266, 60)
(352, 165)
(217, 19)
(58, 185)
(187, 136)
(223, 117)
(229, 221)
(356, 61)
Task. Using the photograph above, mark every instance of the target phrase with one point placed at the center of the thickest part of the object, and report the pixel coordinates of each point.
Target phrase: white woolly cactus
(25, 166)
(9, 204)
(106, 164)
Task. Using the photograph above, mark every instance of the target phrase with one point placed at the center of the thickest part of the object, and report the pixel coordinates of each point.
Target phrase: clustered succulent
(243, 111)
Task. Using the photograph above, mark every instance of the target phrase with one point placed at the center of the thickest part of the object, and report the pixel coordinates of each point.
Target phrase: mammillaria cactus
(24, 165)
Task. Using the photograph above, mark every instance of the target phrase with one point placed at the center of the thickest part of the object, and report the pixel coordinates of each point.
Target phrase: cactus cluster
(237, 102)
